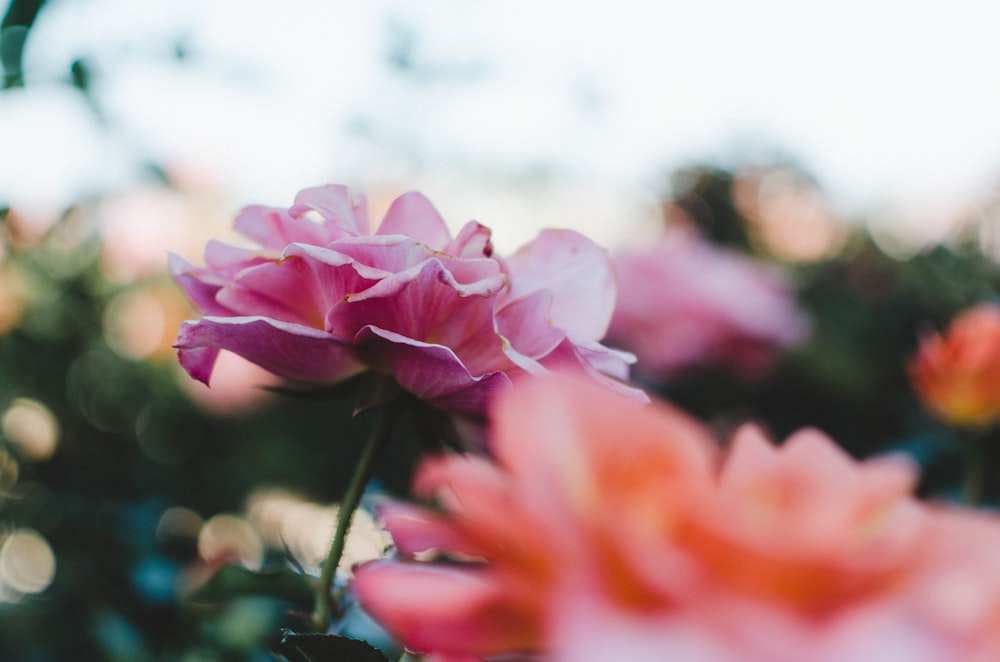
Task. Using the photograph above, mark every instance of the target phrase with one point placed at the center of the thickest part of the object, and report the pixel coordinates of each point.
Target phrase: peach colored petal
(804, 523)
(415, 529)
(487, 510)
(444, 610)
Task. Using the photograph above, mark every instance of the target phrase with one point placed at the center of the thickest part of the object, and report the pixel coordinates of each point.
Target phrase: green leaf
(296, 647)
(233, 581)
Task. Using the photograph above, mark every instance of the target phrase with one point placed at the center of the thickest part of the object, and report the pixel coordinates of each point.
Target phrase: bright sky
(884, 101)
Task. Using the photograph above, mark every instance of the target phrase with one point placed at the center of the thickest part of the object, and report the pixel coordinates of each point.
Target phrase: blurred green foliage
(132, 444)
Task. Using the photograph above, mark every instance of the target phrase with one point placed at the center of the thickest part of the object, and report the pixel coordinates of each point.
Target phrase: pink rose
(323, 299)
(686, 303)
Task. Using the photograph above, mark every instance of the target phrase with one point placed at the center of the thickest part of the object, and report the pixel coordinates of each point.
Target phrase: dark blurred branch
(17, 22)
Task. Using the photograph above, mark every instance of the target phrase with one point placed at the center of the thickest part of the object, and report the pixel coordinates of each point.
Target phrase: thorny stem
(362, 473)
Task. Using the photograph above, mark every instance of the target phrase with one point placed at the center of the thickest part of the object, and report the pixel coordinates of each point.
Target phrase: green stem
(362, 473)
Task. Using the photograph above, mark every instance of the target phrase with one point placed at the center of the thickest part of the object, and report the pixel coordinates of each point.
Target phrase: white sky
(883, 101)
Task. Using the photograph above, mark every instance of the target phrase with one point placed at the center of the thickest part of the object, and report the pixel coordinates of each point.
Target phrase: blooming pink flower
(322, 299)
(608, 531)
(687, 303)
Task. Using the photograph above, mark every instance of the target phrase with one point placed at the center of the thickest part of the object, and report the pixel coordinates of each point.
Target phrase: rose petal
(558, 434)
(395, 253)
(198, 361)
(299, 288)
(473, 240)
(281, 290)
(288, 350)
(526, 323)
(434, 608)
(474, 491)
(579, 274)
(413, 215)
(612, 362)
(587, 629)
(596, 362)
(274, 228)
(427, 305)
(344, 213)
(416, 530)
(201, 285)
(431, 372)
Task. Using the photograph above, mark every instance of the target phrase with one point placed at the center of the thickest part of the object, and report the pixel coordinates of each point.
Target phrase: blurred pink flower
(238, 387)
(136, 225)
(323, 299)
(686, 303)
(609, 531)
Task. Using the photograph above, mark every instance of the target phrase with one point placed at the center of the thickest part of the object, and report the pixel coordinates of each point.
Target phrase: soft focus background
(518, 114)
(852, 145)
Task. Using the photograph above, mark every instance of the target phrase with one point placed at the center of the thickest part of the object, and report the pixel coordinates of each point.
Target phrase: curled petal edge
(433, 373)
(292, 351)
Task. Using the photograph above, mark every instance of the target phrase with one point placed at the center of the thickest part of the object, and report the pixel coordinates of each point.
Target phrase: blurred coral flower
(957, 374)
(686, 303)
(605, 530)
(586, 484)
(805, 525)
(323, 299)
